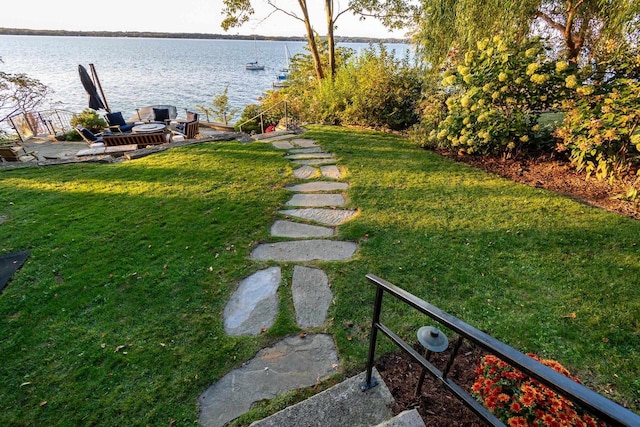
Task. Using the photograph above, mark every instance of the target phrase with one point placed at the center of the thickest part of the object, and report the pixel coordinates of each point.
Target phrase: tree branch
(278, 9)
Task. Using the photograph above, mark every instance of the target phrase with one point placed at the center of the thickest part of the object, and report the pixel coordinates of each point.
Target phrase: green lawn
(116, 316)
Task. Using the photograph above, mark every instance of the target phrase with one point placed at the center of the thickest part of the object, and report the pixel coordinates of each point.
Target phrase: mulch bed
(435, 404)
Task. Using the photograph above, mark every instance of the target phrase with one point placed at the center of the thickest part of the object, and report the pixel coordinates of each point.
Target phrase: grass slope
(116, 316)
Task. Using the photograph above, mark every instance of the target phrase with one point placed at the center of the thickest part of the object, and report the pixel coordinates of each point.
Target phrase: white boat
(283, 75)
(254, 66)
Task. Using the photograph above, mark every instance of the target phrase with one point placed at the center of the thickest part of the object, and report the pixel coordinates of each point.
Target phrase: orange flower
(516, 407)
(517, 422)
(528, 400)
(503, 398)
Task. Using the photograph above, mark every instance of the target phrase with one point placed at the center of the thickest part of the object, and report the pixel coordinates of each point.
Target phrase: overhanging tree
(237, 12)
(578, 25)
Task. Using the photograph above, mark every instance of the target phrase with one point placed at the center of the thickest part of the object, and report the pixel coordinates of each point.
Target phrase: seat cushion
(88, 134)
(115, 119)
(160, 114)
(191, 116)
(126, 128)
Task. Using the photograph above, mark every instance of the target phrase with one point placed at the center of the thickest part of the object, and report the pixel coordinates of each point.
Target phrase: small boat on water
(253, 66)
(283, 75)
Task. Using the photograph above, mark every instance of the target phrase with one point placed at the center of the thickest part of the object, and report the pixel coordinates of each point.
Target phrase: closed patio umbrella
(95, 102)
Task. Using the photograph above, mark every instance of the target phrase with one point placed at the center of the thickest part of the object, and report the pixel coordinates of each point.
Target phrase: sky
(174, 16)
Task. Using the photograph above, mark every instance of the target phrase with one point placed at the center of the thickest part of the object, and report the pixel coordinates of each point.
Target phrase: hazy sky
(190, 16)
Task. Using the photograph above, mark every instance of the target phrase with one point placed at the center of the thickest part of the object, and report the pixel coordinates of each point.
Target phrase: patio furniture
(117, 123)
(142, 140)
(92, 139)
(15, 154)
(149, 128)
(148, 115)
(189, 129)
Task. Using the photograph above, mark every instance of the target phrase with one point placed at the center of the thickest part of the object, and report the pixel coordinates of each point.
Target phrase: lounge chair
(117, 123)
(15, 154)
(89, 137)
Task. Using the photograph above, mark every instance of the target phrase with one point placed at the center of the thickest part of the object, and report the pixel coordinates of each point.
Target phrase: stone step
(342, 405)
(282, 145)
(304, 143)
(305, 250)
(316, 200)
(305, 172)
(408, 418)
(331, 172)
(309, 156)
(296, 230)
(313, 162)
(322, 216)
(311, 187)
(253, 306)
(312, 296)
(292, 363)
(306, 150)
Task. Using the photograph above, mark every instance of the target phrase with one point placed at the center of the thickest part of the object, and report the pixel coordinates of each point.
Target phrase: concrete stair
(344, 404)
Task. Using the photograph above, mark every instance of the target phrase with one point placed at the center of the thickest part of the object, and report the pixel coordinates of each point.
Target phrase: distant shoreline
(197, 36)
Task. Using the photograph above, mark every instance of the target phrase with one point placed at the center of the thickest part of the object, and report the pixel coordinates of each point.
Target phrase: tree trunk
(330, 39)
(312, 40)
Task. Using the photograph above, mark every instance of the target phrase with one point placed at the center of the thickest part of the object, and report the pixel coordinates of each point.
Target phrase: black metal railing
(595, 403)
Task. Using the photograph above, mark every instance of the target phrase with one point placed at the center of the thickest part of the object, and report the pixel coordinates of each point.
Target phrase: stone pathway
(299, 361)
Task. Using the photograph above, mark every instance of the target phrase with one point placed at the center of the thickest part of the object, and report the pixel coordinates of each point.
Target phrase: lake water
(137, 72)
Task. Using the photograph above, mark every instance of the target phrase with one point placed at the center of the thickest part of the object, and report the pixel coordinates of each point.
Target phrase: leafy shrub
(89, 119)
(220, 109)
(379, 90)
(72, 136)
(601, 129)
(494, 96)
(519, 400)
(373, 89)
(249, 120)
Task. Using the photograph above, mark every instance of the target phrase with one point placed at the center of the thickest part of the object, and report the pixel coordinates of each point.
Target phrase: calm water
(137, 72)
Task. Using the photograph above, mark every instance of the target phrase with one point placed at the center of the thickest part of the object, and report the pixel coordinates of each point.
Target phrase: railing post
(371, 382)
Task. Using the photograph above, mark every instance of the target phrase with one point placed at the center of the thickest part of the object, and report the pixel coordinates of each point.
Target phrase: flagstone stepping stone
(291, 363)
(311, 296)
(314, 161)
(305, 250)
(253, 306)
(306, 150)
(282, 145)
(331, 172)
(316, 200)
(310, 187)
(304, 143)
(309, 156)
(305, 172)
(322, 216)
(265, 138)
(296, 230)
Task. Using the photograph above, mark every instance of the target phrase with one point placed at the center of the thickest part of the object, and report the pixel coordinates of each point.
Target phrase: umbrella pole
(94, 74)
